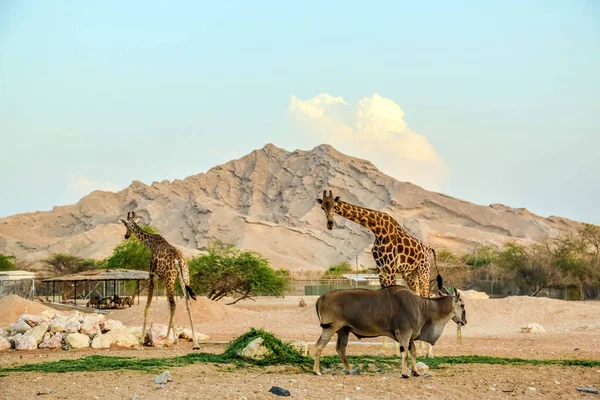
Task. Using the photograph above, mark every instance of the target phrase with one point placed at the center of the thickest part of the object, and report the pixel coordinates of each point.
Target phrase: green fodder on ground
(279, 353)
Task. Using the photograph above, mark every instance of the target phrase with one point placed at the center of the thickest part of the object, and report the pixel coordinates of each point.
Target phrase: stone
(19, 327)
(43, 391)
(23, 342)
(422, 367)
(4, 333)
(77, 340)
(31, 319)
(533, 328)
(156, 335)
(72, 324)
(136, 331)
(254, 350)
(299, 345)
(58, 324)
(122, 337)
(110, 324)
(532, 389)
(473, 294)
(91, 324)
(591, 390)
(37, 333)
(278, 391)
(48, 315)
(54, 341)
(186, 333)
(101, 341)
(353, 371)
(163, 378)
(427, 375)
(5, 344)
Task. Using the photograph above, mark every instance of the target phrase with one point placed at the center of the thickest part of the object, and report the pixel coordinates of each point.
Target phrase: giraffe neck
(370, 219)
(147, 239)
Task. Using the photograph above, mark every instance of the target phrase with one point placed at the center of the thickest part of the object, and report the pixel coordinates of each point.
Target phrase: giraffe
(167, 264)
(395, 250)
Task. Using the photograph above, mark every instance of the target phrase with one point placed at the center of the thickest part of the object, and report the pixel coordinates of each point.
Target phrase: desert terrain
(572, 331)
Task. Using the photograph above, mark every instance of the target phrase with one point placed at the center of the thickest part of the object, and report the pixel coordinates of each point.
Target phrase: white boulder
(111, 324)
(52, 341)
(31, 319)
(102, 341)
(122, 337)
(19, 327)
(533, 328)
(91, 325)
(77, 340)
(255, 350)
(473, 294)
(299, 345)
(156, 335)
(4, 344)
(37, 333)
(186, 333)
(23, 342)
(58, 324)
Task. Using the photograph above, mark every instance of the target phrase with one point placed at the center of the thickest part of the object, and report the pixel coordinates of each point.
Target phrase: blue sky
(492, 102)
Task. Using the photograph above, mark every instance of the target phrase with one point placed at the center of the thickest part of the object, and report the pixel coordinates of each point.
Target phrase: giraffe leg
(148, 302)
(424, 284)
(171, 298)
(195, 344)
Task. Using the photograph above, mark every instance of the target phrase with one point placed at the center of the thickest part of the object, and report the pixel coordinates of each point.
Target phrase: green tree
(225, 270)
(131, 253)
(338, 270)
(66, 264)
(7, 263)
(528, 267)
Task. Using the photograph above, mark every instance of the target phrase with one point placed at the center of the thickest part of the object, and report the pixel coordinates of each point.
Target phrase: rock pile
(51, 330)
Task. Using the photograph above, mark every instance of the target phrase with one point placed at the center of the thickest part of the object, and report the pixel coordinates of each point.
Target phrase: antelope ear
(320, 201)
(337, 199)
(123, 221)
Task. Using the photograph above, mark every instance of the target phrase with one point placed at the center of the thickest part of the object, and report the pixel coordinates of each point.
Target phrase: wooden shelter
(99, 276)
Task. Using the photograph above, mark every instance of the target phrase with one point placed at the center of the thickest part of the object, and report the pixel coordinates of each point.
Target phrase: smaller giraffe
(167, 264)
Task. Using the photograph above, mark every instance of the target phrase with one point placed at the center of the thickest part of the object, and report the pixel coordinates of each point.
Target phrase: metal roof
(103, 275)
(16, 275)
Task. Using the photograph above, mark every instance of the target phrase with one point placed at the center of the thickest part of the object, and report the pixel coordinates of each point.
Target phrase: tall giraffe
(167, 264)
(395, 250)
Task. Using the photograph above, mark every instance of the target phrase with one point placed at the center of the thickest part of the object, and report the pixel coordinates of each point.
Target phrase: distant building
(21, 283)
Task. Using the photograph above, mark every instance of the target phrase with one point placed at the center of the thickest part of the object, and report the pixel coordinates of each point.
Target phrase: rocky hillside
(265, 202)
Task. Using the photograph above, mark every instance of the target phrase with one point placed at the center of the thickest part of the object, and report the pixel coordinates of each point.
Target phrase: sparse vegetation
(131, 253)
(7, 263)
(572, 260)
(226, 270)
(64, 264)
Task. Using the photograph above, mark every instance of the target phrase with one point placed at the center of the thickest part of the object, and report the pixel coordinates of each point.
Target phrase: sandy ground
(572, 331)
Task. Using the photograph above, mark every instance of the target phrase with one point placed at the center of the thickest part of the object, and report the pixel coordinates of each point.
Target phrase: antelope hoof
(196, 346)
(415, 373)
(429, 355)
(318, 373)
(405, 376)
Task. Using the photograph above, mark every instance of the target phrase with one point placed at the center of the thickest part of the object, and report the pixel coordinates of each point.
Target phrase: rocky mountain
(265, 201)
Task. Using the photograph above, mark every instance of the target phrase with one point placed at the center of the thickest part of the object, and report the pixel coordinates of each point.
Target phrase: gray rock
(587, 390)
(276, 390)
(163, 378)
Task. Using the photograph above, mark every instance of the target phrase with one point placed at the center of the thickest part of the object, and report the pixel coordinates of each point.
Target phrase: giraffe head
(129, 224)
(327, 205)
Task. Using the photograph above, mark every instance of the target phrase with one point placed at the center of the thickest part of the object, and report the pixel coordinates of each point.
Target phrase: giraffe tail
(190, 292)
(438, 278)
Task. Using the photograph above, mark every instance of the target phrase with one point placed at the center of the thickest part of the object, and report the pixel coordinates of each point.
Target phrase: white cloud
(80, 185)
(374, 129)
